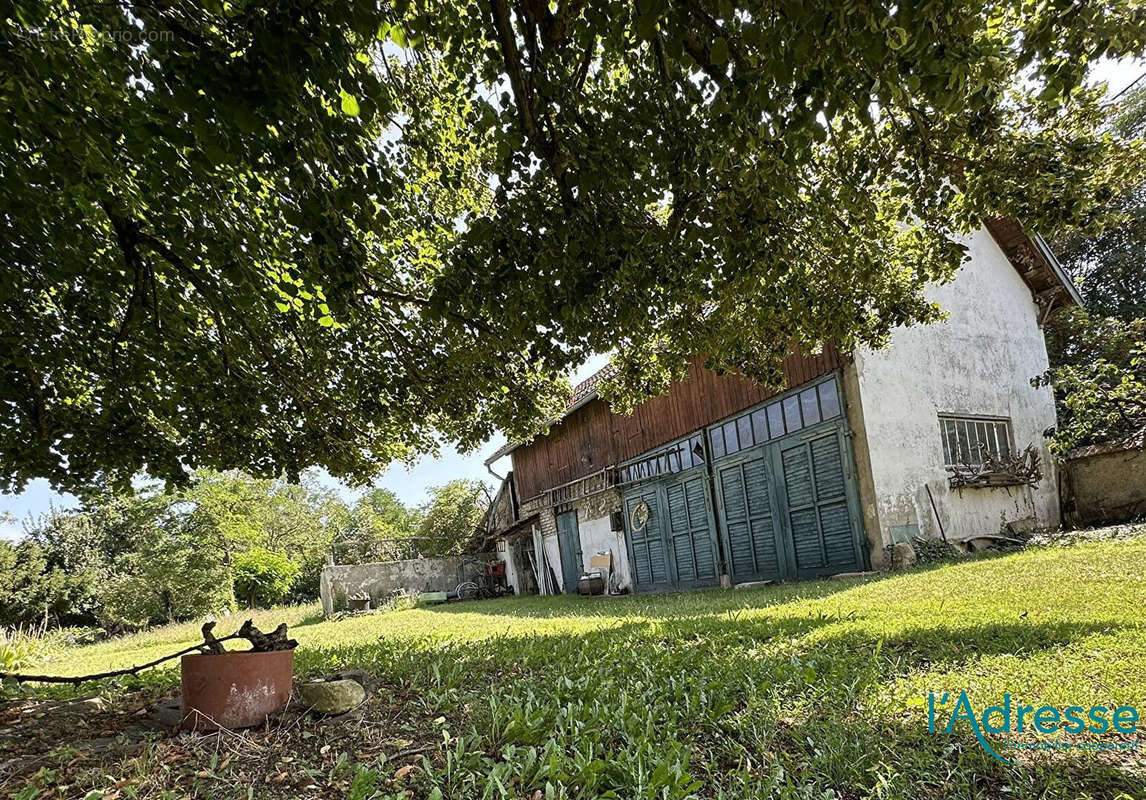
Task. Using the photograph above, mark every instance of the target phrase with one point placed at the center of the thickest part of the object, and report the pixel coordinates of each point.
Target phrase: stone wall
(1104, 484)
(382, 579)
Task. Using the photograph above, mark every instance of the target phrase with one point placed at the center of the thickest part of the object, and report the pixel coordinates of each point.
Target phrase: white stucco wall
(597, 536)
(978, 362)
(505, 553)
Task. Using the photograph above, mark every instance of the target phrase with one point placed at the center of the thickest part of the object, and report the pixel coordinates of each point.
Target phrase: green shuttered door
(648, 559)
(677, 548)
(690, 532)
(785, 501)
(823, 537)
(569, 541)
(749, 525)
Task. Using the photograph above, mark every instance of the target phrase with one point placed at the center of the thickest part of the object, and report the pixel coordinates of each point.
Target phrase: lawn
(812, 690)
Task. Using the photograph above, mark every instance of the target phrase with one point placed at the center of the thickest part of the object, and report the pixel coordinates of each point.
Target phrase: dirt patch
(129, 747)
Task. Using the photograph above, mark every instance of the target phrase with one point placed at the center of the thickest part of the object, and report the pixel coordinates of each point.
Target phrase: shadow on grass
(697, 602)
(750, 697)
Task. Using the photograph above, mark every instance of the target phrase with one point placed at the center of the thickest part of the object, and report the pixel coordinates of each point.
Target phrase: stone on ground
(332, 697)
(903, 555)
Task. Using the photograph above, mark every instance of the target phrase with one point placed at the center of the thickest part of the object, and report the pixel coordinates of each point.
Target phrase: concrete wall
(979, 363)
(381, 579)
(1104, 485)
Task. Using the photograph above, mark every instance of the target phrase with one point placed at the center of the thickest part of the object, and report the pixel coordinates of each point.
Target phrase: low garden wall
(382, 579)
(1104, 484)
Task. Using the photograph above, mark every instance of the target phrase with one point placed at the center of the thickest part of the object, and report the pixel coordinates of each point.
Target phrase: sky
(411, 484)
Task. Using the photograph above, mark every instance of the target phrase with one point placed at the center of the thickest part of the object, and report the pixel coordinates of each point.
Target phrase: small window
(966, 440)
(809, 406)
(697, 450)
(682, 457)
(731, 442)
(744, 431)
(717, 436)
(829, 399)
(775, 421)
(792, 413)
(759, 426)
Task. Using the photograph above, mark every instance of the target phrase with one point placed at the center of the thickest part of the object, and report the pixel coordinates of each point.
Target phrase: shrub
(263, 577)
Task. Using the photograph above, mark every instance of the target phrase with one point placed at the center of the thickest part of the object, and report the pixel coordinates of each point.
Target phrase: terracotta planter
(235, 690)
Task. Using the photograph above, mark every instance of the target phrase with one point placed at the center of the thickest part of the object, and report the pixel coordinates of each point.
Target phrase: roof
(1030, 255)
(1036, 264)
(582, 393)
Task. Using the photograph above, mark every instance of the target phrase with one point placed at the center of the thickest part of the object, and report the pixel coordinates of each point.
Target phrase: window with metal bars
(967, 439)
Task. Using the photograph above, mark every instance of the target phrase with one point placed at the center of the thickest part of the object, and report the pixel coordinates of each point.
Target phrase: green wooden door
(569, 541)
(749, 525)
(822, 530)
(648, 556)
(691, 538)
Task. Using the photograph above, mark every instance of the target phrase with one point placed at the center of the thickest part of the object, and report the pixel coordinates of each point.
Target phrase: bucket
(235, 690)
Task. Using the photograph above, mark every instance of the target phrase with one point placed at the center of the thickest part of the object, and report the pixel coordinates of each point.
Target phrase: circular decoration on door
(639, 517)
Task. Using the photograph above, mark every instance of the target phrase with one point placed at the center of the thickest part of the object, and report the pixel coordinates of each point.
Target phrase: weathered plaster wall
(594, 528)
(857, 426)
(381, 579)
(597, 534)
(978, 362)
(1105, 485)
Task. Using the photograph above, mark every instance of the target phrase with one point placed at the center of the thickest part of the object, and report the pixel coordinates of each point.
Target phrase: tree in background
(452, 517)
(1110, 268)
(129, 559)
(166, 578)
(1098, 353)
(378, 527)
(237, 512)
(310, 232)
(263, 577)
(32, 591)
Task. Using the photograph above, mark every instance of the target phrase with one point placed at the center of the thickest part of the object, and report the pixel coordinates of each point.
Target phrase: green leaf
(718, 53)
(349, 104)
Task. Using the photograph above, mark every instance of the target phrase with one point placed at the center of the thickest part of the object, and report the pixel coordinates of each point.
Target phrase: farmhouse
(722, 481)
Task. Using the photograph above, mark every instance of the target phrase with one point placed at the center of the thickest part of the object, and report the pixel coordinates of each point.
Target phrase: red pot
(235, 690)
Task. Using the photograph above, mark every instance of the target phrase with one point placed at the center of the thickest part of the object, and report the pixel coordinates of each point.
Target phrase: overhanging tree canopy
(326, 233)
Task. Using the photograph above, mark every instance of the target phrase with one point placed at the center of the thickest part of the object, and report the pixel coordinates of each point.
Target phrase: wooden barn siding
(592, 438)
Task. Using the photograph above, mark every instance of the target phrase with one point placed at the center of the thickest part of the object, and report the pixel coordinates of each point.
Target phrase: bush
(1099, 401)
(263, 577)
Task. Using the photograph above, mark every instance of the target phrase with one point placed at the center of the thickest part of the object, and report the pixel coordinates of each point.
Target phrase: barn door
(816, 487)
(648, 557)
(744, 494)
(569, 540)
(691, 537)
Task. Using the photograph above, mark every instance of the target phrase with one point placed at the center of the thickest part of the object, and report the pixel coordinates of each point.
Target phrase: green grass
(813, 690)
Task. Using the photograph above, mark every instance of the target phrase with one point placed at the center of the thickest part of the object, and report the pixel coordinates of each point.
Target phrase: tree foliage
(263, 577)
(329, 233)
(1099, 378)
(32, 590)
(451, 518)
(1110, 267)
(129, 559)
(378, 527)
(166, 578)
(1098, 353)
